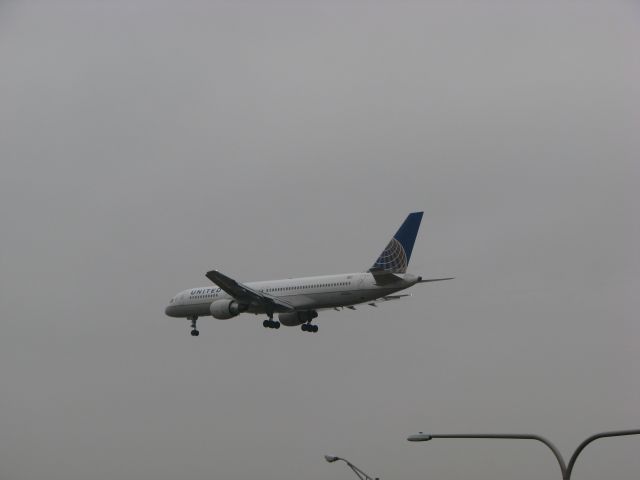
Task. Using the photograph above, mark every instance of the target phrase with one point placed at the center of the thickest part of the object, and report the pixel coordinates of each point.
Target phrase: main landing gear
(194, 330)
(308, 327)
(269, 323)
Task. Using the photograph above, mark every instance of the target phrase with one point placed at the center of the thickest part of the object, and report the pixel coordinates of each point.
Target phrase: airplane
(298, 300)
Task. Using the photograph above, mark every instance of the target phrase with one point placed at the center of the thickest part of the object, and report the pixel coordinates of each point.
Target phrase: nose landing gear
(194, 330)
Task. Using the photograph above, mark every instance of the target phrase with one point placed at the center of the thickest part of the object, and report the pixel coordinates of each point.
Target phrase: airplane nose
(170, 311)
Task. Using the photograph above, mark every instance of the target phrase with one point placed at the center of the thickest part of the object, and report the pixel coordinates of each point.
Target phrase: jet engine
(291, 319)
(224, 309)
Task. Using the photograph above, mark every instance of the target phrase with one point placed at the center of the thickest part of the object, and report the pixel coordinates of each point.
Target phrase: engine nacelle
(224, 309)
(291, 319)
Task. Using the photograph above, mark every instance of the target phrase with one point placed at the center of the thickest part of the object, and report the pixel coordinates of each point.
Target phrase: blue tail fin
(395, 257)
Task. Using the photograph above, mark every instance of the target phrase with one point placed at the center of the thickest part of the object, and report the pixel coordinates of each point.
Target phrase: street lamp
(361, 475)
(565, 469)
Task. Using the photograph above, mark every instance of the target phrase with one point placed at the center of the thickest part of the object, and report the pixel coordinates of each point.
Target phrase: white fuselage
(304, 293)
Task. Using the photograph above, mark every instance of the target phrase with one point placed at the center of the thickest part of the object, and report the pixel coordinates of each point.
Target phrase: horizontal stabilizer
(384, 277)
(434, 279)
(386, 298)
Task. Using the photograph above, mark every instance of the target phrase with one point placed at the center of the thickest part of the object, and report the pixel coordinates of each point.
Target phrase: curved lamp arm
(421, 437)
(566, 469)
(361, 475)
(615, 433)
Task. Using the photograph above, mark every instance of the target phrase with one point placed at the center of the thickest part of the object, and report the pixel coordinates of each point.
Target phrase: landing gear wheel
(304, 327)
(195, 333)
(276, 325)
(266, 323)
(315, 328)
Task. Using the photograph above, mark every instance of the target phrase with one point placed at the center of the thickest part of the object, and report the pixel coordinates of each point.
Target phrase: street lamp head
(331, 459)
(420, 437)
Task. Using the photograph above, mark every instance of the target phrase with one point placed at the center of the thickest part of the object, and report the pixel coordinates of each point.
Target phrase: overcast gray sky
(143, 143)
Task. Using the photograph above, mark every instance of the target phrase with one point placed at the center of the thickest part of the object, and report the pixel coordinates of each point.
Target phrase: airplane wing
(246, 294)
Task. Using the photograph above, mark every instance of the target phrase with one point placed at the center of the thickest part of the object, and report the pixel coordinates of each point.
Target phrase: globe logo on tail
(393, 259)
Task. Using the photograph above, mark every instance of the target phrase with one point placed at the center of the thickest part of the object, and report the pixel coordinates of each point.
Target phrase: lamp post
(564, 468)
(361, 475)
